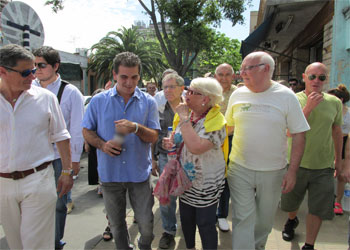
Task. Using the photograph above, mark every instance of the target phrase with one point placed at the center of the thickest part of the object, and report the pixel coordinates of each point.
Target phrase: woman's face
(194, 99)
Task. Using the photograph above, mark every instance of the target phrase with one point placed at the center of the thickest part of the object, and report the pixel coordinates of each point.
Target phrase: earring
(203, 104)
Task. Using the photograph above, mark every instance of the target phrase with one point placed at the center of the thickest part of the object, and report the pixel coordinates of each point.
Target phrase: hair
(224, 65)
(168, 71)
(178, 79)
(12, 53)
(209, 87)
(264, 58)
(341, 92)
(50, 55)
(97, 91)
(126, 59)
(293, 80)
(150, 82)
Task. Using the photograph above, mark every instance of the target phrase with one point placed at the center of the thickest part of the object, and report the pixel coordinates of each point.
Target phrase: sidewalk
(87, 222)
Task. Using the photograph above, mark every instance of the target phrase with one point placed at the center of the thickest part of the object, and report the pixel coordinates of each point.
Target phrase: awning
(256, 37)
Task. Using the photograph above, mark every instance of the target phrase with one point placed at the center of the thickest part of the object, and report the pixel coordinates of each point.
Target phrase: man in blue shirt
(125, 167)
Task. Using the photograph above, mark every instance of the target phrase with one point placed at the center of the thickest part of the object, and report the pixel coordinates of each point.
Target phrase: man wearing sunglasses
(47, 62)
(293, 84)
(322, 155)
(31, 120)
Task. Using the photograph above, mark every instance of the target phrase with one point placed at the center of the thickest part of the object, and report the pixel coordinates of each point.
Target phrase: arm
(338, 145)
(230, 129)
(195, 144)
(144, 133)
(110, 147)
(65, 182)
(345, 175)
(298, 144)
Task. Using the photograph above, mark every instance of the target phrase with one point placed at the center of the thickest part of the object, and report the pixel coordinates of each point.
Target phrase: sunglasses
(24, 73)
(293, 84)
(192, 92)
(41, 65)
(320, 77)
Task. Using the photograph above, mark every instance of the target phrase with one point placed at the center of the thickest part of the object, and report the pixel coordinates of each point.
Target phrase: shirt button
(124, 149)
(124, 162)
(124, 113)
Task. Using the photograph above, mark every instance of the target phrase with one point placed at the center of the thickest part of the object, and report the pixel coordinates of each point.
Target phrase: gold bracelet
(68, 172)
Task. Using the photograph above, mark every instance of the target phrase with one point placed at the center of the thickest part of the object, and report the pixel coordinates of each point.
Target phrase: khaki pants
(27, 210)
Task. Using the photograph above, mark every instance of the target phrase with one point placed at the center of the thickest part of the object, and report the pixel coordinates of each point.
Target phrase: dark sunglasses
(192, 92)
(293, 84)
(41, 65)
(320, 77)
(24, 73)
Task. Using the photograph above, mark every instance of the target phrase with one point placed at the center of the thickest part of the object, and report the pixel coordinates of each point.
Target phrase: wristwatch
(68, 172)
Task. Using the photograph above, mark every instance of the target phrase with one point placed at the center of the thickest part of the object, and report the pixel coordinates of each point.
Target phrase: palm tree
(103, 53)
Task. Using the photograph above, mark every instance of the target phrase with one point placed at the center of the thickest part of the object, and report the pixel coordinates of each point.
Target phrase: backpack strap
(60, 91)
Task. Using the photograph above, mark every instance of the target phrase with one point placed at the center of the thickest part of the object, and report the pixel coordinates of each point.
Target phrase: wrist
(67, 172)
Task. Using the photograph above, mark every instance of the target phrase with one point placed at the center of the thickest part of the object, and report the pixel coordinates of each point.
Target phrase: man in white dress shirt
(30, 122)
(47, 62)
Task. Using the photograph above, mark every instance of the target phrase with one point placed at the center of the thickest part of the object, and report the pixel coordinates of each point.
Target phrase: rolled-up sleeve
(57, 129)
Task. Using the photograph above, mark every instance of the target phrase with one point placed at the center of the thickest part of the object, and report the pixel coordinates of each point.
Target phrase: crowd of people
(258, 144)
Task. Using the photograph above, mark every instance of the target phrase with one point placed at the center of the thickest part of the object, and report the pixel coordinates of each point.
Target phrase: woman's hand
(183, 111)
(168, 143)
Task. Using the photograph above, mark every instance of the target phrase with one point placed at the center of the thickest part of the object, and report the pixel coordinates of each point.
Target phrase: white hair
(264, 58)
(209, 87)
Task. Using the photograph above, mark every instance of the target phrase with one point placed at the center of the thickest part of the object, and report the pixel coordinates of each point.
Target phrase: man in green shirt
(322, 154)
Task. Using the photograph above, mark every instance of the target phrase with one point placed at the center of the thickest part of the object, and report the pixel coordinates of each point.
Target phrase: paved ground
(86, 224)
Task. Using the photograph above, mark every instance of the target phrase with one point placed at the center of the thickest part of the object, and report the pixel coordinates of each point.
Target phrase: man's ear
(3, 71)
(56, 66)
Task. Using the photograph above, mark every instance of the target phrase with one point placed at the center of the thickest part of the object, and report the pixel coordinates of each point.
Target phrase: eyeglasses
(192, 92)
(320, 77)
(24, 73)
(293, 84)
(248, 68)
(41, 65)
(170, 87)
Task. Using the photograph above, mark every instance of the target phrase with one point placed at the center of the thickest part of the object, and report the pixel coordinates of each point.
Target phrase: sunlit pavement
(87, 222)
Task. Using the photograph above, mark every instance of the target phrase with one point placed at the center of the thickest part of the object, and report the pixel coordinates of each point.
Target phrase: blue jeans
(141, 199)
(205, 219)
(224, 202)
(167, 213)
(61, 207)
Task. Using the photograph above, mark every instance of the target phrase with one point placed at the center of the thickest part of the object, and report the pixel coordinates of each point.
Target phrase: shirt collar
(137, 92)
(51, 85)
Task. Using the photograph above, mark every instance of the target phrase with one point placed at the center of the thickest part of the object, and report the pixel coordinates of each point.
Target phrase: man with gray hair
(173, 86)
(121, 123)
(260, 114)
(224, 74)
(31, 121)
(160, 98)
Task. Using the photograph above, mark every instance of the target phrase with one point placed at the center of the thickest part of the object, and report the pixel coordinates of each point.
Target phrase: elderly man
(260, 113)
(122, 167)
(322, 153)
(224, 74)
(159, 96)
(47, 61)
(173, 86)
(31, 120)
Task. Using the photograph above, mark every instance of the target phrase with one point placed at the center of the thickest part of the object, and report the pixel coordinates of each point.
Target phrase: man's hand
(288, 182)
(111, 148)
(125, 126)
(64, 184)
(155, 168)
(76, 167)
(313, 100)
(86, 147)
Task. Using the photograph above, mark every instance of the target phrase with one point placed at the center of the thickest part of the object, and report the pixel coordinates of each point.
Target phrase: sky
(83, 23)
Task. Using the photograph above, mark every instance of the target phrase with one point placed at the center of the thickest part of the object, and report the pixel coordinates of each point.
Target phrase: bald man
(322, 155)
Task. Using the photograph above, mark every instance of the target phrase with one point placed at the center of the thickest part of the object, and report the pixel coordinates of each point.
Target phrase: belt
(21, 174)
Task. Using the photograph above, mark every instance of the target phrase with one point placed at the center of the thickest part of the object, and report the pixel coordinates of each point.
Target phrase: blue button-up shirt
(134, 164)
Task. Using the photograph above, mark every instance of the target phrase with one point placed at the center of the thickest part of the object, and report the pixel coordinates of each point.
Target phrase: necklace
(194, 122)
(14, 100)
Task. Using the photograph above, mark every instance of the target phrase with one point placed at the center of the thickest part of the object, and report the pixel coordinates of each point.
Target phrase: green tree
(103, 53)
(189, 22)
(222, 50)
